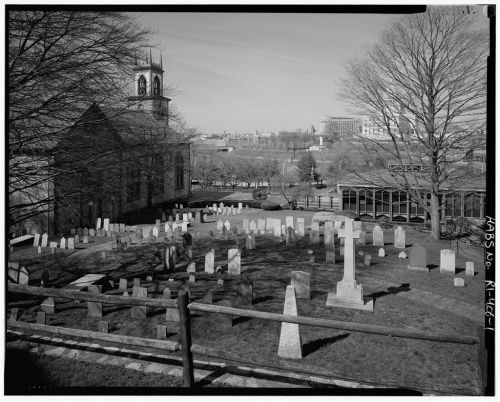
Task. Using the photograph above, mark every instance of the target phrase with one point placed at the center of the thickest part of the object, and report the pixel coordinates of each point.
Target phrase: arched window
(142, 86)
(179, 172)
(156, 86)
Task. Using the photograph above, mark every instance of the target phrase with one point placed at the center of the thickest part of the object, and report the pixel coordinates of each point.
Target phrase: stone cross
(348, 234)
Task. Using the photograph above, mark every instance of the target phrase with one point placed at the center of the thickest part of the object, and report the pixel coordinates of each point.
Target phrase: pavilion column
(408, 207)
(462, 205)
(390, 204)
(357, 202)
(374, 204)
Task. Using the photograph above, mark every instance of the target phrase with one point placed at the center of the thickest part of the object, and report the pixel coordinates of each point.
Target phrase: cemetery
(316, 293)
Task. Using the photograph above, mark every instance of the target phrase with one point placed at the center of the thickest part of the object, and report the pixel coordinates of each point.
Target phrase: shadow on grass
(312, 346)
(262, 299)
(405, 287)
(432, 266)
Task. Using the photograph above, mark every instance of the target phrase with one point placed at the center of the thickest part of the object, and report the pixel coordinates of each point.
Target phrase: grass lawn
(356, 355)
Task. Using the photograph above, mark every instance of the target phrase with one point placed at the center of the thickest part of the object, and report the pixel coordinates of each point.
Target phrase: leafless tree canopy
(424, 83)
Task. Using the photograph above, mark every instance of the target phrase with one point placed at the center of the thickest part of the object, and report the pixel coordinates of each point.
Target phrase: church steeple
(148, 87)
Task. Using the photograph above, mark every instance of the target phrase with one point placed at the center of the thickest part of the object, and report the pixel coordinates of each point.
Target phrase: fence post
(185, 332)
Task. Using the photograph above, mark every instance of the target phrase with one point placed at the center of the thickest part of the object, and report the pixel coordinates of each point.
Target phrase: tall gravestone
(378, 236)
(399, 238)
(36, 240)
(418, 258)
(329, 239)
(246, 226)
(290, 237)
(349, 293)
(45, 239)
(289, 222)
(94, 308)
(261, 225)
(290, 344)
(139, 311)
(253, 227)
(210, 261)
(447, 262)
(300, 227)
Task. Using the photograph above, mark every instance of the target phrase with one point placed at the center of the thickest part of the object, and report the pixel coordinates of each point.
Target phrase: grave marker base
(423, 269)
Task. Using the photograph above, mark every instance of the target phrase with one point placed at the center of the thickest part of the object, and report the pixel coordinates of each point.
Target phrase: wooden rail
(100, 336)
(349, 326)
(92, 297)
(288, 366)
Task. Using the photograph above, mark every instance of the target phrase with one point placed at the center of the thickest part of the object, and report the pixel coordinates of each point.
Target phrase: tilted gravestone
(36, 240)
(418, 258)
(234, 261)
(290, 344)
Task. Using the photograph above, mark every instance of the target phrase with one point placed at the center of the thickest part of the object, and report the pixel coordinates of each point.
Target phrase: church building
(117, 160)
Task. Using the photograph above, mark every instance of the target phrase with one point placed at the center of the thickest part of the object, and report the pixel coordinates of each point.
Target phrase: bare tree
(58, 64)
(205, 169)
(424, 84)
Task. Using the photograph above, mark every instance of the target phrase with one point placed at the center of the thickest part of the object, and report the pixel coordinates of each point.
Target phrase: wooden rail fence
(187, 348)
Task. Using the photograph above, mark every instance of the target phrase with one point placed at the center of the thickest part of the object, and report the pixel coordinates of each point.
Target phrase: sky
(240, 73)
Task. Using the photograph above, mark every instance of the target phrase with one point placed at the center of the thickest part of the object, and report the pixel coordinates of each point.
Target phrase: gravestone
(139, 311)
(253, 227)
(39, 249)
(185, 218)
(77, 239)
(220, 225)
(103, 326)
(459, 282)
(210, 261)
(122, 227)
(177, 217)
(155, 232)
(302, 282)
(277, 228)
(72, 231)
(418, 258)
(234, 261)
(79, 232)
(53, 246)
(192, 278)
(170, 259)
(469, 268)
(244, 292)
(45, 239)
(362, 238)
(106, 224)
(227, 224)
(368, 260)
(329, 239)
(290, 237)
(98, 224)
(261, 225)
(36, 240)
(14, 312)
(91, 232)
(161, 331)
(290, 344)
(41, 317)
(315, 226)
(381, 252)
(94, 309)
(399, 238)
(71, 243)
(378, 236)
(171, 314)
(123, 284)
(224, 231)
(191, 268)
(289, 221)
(329, 225)
(184, 227)
(49, 305)
(402, 255)
(85, 231)
(330, 256)
(62, 243)
(85, 240)
(447, 262)
(23, 278)
(250, 242)
(314, 236)
(349, 293)
(246, 226)
(300, 227)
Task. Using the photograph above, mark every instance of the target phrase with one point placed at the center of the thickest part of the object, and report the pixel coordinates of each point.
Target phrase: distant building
(330, 125)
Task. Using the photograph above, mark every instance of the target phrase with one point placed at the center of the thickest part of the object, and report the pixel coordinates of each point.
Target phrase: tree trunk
(435, 218)
(149, 195)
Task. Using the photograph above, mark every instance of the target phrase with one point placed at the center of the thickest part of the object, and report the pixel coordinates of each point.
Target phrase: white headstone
(329, 239)
(191, 268)
(459, 282)
(98, 224)
(62, 244)
(402, 255)
(290, 345)
(469, 268)
(253, 227)
(447, 263)
(315, 226)
(378, 236)
(381, 252)
(289, 222)
(227, 224)
(155, 231)
(399, 238)
(234, 261)
(246, 226)
(71, 243)
(45, 239)
(106, 224)
(300, 227)
(36, 240)
(210, 261)
(261, 225)
(219, 226)
(277, 228)
(184, 227)
(185, 218)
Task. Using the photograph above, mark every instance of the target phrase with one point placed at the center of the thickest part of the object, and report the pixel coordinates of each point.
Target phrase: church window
(179, 172)
(142, 85)
(156, 86)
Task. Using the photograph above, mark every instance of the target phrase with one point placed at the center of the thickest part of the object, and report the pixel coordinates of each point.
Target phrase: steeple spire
(161, 61)
(150, 57)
